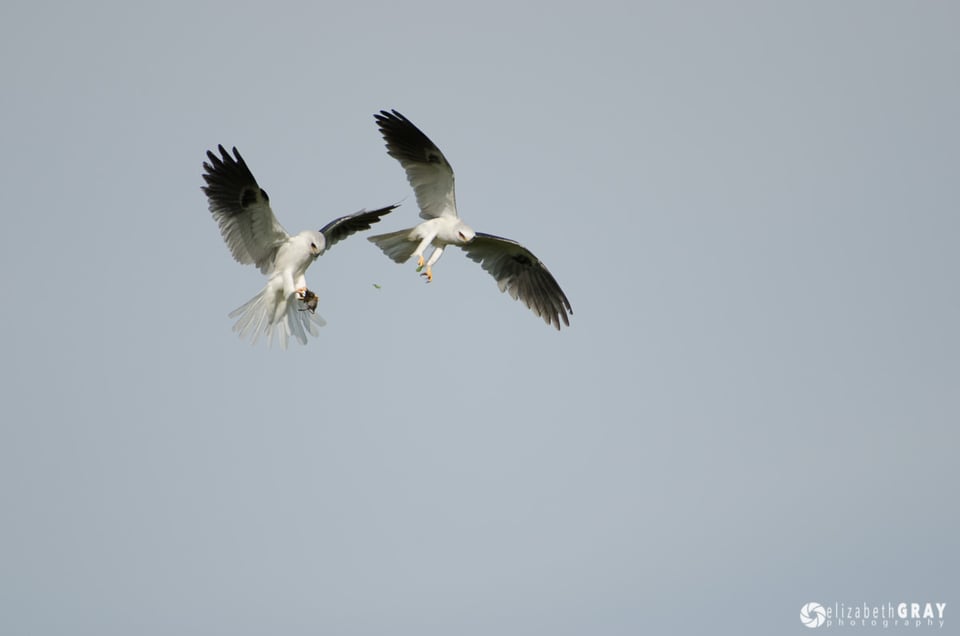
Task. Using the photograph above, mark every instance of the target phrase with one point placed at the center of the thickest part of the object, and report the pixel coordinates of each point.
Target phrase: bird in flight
(513, 266)
(241, 208)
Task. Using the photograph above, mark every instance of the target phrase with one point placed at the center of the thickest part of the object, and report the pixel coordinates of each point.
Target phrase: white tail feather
(270, 314)
(399, 246)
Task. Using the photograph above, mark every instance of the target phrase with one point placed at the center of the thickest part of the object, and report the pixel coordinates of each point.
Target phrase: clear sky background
(754, 209)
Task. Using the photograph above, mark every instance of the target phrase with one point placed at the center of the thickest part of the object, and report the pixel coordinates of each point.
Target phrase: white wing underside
(433, 185)
(254, 236)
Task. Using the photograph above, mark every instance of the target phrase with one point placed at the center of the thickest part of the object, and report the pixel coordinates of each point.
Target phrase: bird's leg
(437, 253)
(301, 287)
(422, 246)
(291, 287)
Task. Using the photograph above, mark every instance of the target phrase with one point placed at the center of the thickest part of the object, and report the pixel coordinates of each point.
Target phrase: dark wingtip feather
(406, 142)
(229, 182)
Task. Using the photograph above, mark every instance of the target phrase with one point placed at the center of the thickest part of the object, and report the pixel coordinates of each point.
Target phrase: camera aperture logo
(919, 615)
(813, 615)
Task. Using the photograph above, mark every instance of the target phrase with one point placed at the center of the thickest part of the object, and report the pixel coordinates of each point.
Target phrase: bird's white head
(464, 233)
(315, 242)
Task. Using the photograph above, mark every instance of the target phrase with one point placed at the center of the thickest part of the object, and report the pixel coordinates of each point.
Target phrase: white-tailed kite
(241, 208)
(514, 267)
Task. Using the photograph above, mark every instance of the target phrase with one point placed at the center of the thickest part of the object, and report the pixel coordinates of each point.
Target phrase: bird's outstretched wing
(522, 274)
(242, 210)
(339, 229)
(428, 171)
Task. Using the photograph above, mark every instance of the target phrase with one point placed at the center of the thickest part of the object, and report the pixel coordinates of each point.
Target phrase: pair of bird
(285, 307)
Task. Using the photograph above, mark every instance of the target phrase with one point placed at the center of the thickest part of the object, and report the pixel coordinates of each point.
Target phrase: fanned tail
(399, 246)
(269, 314)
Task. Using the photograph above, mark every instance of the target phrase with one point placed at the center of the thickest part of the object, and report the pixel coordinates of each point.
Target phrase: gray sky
(753, 209)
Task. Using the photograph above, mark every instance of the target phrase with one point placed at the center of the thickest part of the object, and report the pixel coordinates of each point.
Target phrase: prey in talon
(307, 300)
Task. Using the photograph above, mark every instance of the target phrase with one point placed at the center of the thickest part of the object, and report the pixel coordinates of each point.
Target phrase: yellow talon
(419, 263)
(428, 274)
